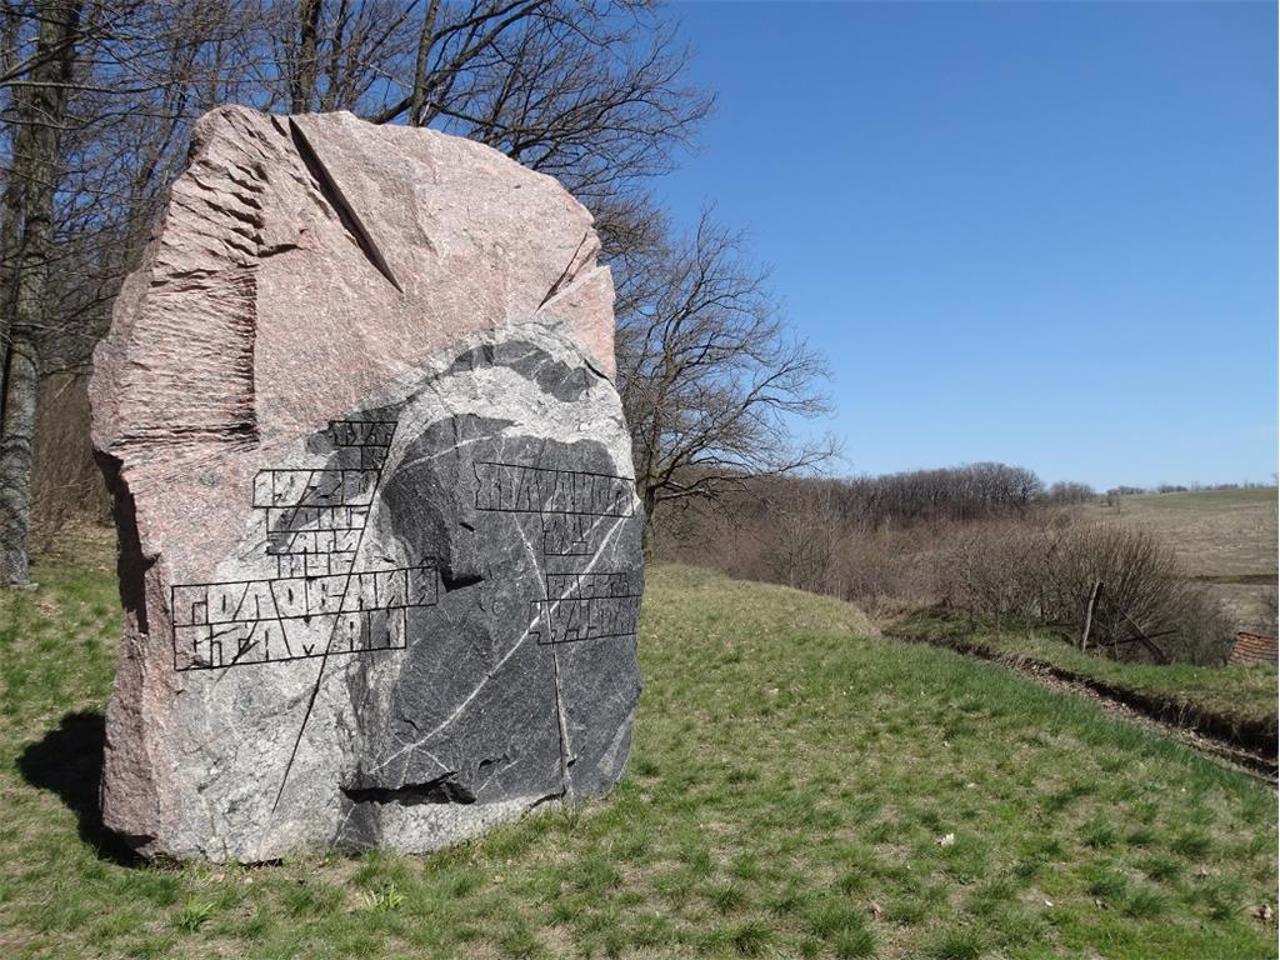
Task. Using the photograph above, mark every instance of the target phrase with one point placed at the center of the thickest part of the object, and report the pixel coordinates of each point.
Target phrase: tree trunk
(30, 221)
(10, 220)
(1088, 614)
(418, 96)
(304, 67)
(21, 378)
(649, 501)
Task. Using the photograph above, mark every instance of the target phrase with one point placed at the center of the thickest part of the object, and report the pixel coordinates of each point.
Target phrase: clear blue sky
(1037, 233)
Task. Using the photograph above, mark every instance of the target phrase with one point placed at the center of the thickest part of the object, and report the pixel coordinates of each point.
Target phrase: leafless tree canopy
(1068, 492)
(710, 377)
(974, 491)
(594, 92)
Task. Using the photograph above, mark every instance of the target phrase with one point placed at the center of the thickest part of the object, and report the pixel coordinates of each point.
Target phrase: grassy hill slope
(795, 790)
(1235, 703)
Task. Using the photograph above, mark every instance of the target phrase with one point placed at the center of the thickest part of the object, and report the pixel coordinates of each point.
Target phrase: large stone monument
(380, 545)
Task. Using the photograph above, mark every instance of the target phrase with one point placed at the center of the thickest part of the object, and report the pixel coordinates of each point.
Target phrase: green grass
(789, 786)
(1241, 694)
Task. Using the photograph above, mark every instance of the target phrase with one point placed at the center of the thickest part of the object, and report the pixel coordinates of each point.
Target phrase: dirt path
(1253, 760)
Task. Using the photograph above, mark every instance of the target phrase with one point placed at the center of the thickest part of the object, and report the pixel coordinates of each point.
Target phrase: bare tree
(806, 534)
(596, 101)
(594, 92)
(1066, 492)
(328, 54)
(710, 378)
(302, 78)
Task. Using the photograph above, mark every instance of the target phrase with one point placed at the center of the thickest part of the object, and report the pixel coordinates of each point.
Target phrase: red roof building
(1253, 648)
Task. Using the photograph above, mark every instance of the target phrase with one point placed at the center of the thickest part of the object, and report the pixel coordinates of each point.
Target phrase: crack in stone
(564, 274)
(337, 199)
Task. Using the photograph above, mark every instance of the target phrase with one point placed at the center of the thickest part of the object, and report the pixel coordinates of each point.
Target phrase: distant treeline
(961, 494)
(1124, 491)
(973, 491)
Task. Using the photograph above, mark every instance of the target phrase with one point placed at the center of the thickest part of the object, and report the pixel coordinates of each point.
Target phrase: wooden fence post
(1088, 614)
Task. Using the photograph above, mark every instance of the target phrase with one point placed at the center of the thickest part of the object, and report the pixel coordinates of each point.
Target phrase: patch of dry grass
(1215, 532)
(1225, 537)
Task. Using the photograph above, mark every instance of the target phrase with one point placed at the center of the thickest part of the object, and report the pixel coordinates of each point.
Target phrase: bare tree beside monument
(595, 94)
(28, 248)
(710, 376)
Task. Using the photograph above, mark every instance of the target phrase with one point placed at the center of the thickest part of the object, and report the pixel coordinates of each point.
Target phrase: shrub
(980, 538)
(1143, 594)
(1046, 573)
(995, 569)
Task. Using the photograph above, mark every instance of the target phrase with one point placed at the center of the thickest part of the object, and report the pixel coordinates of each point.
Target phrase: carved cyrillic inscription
(288, 618)
(317, 603)
(513, 488)
(587, 606)
(579, 510)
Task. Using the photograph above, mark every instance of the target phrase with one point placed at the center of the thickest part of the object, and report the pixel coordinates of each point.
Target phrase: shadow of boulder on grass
(68, 761)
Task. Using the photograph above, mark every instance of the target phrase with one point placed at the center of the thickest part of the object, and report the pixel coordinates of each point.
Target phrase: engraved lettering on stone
(576, 507)
(317, 603)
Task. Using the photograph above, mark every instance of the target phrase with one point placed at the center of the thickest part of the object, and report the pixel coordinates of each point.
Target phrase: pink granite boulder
(380, 546)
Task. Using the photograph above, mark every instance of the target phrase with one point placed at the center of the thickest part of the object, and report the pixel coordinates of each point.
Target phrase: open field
(795, 791)
(1216, 532)
(1225, 537)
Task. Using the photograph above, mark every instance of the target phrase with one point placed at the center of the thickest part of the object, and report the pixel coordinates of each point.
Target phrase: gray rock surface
(380, 548)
